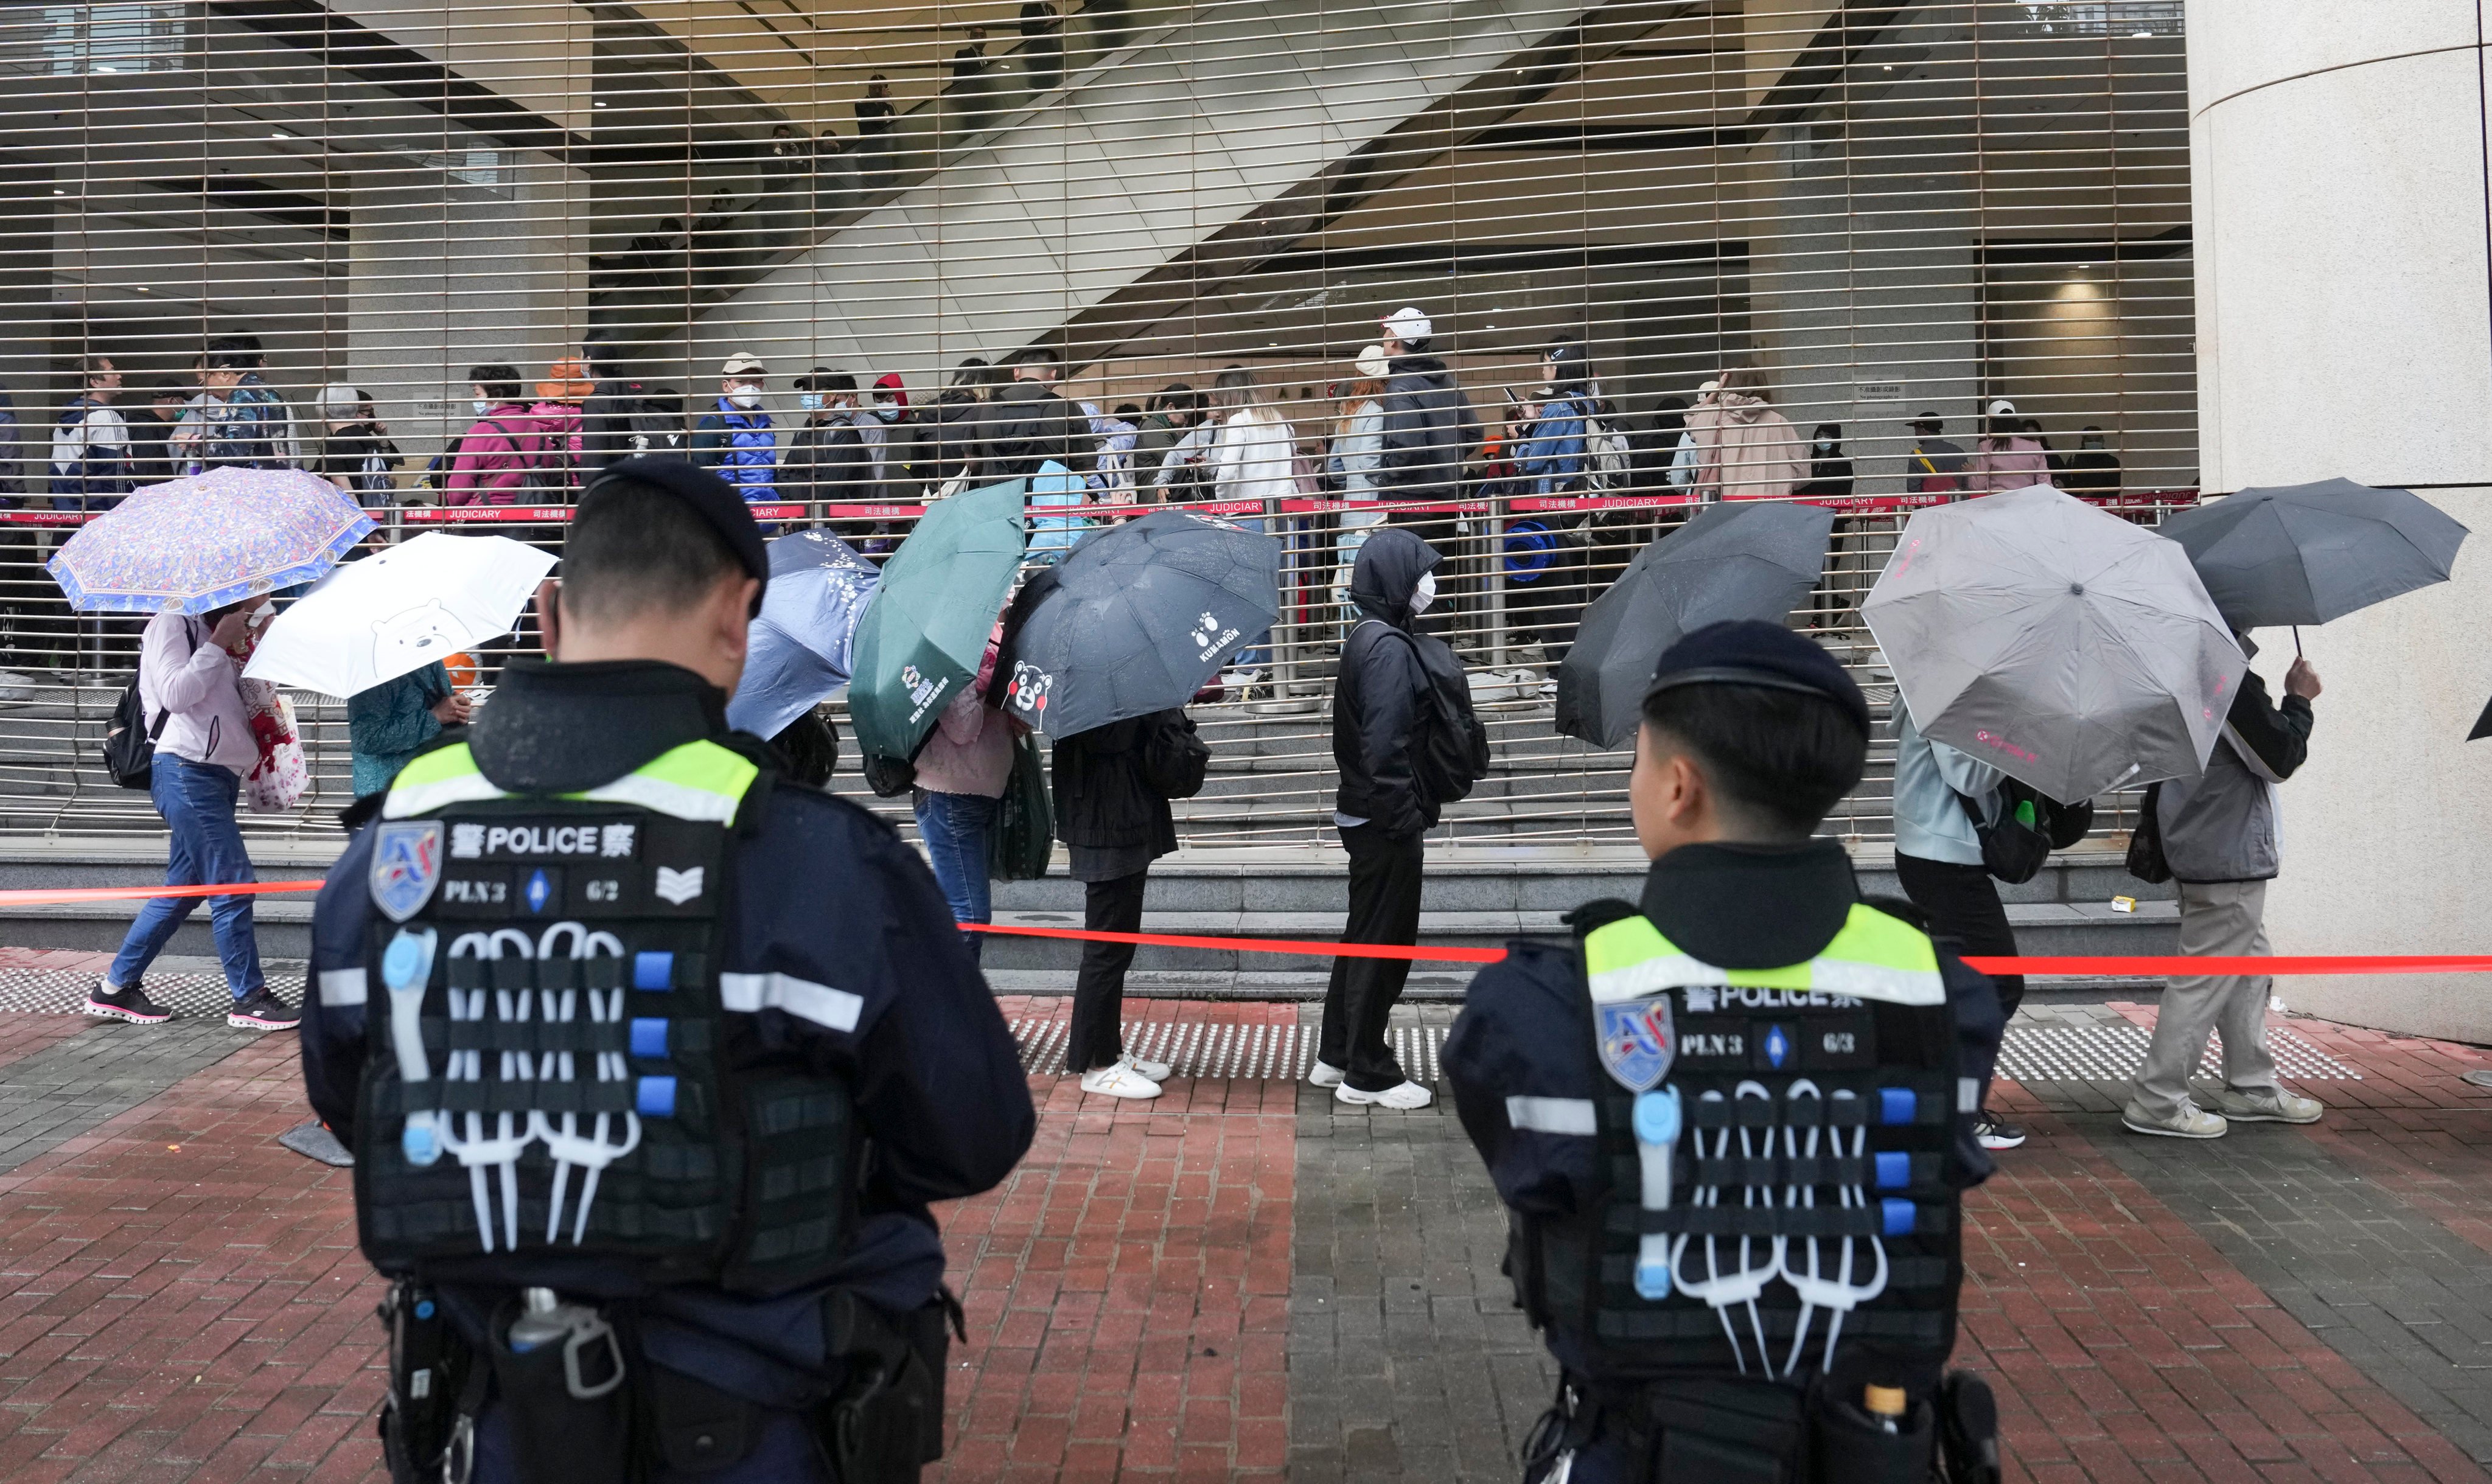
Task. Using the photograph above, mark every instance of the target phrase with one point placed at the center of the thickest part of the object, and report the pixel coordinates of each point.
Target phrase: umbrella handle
(2296, 641)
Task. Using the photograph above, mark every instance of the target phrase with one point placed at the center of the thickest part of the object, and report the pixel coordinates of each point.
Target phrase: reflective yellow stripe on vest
(438, 780)
(1875, 956)
(699, 781)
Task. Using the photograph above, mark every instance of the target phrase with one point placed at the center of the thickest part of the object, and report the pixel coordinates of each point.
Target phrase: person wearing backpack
(1938, 862)
(498, 455)
(193, 712)
(1381, 705)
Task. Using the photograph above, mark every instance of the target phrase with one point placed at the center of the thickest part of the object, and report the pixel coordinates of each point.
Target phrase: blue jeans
(955, 827)
(197, 800)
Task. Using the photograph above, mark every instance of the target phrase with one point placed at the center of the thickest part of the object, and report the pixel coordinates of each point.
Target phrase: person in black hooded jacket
(1430, 429)
(1029, 424)
(1383, 814)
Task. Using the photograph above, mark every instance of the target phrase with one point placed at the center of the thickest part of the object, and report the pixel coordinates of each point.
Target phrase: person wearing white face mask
(737, 441)
(1384, 812)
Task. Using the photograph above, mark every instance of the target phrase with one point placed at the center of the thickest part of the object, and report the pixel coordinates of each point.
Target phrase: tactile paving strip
(51, 991)
(2113, 1054)
(1251, 1052)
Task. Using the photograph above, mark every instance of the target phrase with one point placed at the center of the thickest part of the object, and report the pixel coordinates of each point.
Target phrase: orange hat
(567, 381)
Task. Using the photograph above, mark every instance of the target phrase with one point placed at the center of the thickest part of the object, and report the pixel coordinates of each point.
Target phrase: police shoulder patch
(406, 866)
(1637, 1042)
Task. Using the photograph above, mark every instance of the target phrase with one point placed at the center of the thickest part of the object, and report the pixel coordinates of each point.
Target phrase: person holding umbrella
(2220, 841)
(391, 722)
(1384, 816)
(188, 668)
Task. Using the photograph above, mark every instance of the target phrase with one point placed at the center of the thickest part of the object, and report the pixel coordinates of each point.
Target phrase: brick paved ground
(1243, 1278)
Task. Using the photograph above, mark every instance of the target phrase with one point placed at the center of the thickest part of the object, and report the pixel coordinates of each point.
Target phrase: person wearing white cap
(1357, 448)
(2006, 459)
(1430, 429)
(737, 441)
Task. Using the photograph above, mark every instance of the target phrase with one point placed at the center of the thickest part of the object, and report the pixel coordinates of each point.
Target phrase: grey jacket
(2222, 826)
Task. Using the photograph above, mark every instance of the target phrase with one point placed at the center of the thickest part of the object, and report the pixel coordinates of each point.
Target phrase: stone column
(2339, 189)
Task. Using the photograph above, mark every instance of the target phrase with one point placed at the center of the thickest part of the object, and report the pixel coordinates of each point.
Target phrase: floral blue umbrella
(213, 539)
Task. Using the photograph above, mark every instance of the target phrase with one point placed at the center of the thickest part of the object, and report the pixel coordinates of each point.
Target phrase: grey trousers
(2217, 917)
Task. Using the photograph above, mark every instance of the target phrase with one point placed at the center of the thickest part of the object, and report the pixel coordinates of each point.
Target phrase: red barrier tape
(839, 510)
(2132, 967)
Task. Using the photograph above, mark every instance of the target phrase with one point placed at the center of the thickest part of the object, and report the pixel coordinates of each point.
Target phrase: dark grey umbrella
(2056, 642)
(2308, 554)
(1142, 615)
(1748, 560)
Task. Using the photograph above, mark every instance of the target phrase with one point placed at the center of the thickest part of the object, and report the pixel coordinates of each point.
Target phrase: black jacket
(1102, 800)
(1030, 425)
(827, 894)
(1527, 1029)
(826, 461)
(1377, 702)
(1429, 430)
(956, 439)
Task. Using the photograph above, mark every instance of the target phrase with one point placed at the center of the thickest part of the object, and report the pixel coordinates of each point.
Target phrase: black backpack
(1175, 760)
(2030, 827)
(1449, 750)
(129, 742)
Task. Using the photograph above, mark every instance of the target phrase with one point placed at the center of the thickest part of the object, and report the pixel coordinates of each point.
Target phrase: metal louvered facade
(1868, 211)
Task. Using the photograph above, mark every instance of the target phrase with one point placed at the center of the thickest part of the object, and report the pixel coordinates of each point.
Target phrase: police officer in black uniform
(1732, 1122)
(651, 1058)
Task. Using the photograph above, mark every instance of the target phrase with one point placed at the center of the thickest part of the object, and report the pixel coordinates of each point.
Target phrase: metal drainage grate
(1196, 1048)
(58, 992)
(2113, 1054)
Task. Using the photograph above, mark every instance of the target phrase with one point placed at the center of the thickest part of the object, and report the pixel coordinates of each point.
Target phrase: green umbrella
(927, 627)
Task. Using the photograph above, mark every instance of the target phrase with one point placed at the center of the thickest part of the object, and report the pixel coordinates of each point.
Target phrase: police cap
(1753, 652)
(710, 497)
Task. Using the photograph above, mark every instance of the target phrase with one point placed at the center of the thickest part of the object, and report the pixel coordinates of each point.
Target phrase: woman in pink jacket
(2006, 459)
(1746, 450)
(498, 456)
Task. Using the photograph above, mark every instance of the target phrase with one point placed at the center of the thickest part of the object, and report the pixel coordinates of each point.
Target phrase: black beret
(1750, 651)
(711, 497)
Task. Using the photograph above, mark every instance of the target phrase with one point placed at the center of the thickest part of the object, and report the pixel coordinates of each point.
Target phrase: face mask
(482, 407)
(2090, 441)
(887, 412)
(811, 401)
(745, 397)
(1823, 444)
(1423, 594)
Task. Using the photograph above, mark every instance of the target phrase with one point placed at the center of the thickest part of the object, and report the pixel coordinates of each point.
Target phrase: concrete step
(1473, 896)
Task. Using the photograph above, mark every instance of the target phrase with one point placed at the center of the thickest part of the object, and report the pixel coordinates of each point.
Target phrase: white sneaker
(1325, 1073)
(2190, 1122)
(1118, 1081)
(1151, 1071)
(1407, 1096)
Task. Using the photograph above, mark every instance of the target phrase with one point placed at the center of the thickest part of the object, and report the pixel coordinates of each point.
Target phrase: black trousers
(1098, 1035)
(1962, 906)
(1385, 876)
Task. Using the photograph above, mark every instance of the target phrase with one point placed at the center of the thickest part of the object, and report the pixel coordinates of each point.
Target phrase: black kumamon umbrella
(1142, 614)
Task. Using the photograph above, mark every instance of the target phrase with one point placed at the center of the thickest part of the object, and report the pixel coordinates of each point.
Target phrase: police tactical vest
(1776, 1150)
(554, 1069)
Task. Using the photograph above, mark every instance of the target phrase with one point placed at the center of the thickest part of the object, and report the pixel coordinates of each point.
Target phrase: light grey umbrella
(2308, 554)
(2065, 646)
(1749, 560)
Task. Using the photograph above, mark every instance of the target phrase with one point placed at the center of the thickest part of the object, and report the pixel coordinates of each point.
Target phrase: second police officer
(1732, 1122)
(651, 1060)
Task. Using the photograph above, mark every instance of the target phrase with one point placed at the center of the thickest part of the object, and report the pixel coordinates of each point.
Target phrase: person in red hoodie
(498, 458)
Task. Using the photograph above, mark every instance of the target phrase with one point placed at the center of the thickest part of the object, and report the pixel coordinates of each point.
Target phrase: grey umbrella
(2065, 646)
(2308, 554)
(1750, 560)
(1141, 615)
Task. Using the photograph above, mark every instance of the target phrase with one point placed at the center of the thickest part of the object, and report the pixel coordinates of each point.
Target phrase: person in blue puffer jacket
(737, 441)
(1551, 451)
